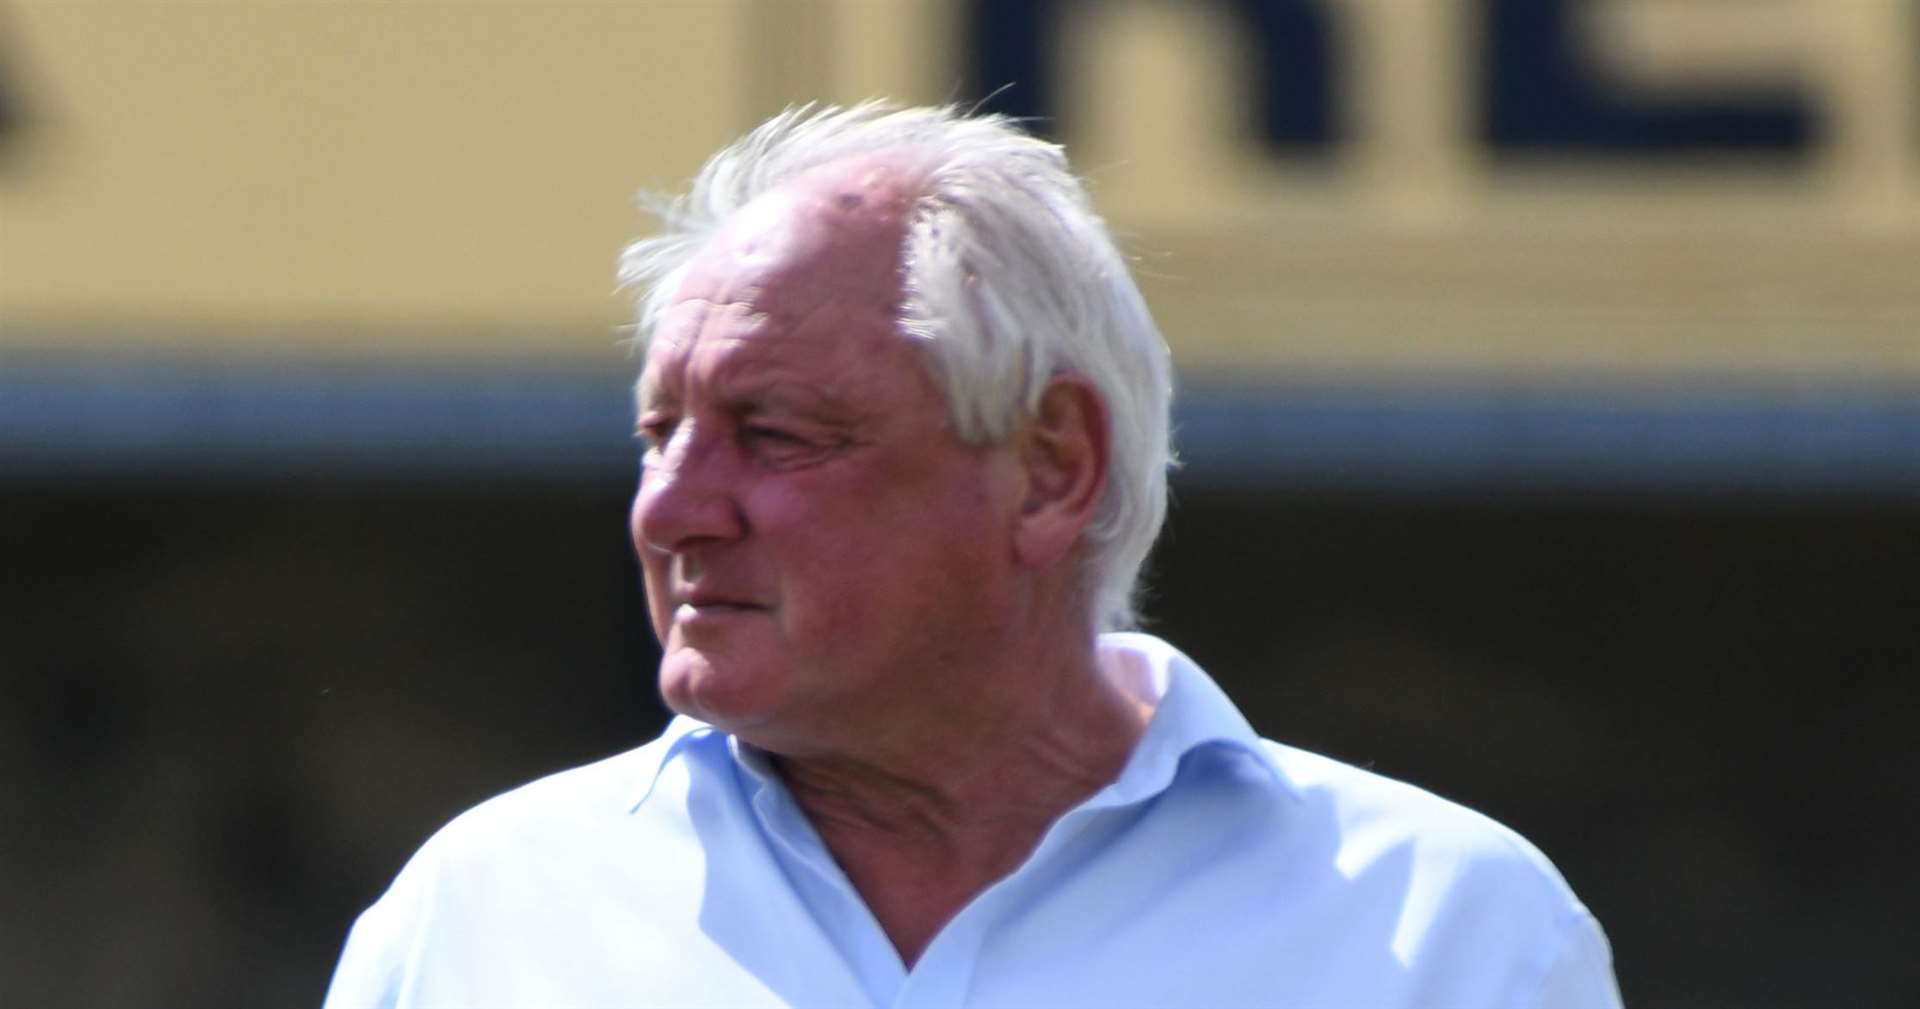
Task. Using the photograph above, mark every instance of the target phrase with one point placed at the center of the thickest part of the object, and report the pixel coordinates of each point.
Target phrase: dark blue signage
(1535, 91)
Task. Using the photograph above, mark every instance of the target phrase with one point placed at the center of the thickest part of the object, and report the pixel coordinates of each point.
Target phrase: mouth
(703, 608)
(709, 599)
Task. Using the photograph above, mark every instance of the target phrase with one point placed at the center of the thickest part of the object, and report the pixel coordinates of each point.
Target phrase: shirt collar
(680, 735)
(1190, 714)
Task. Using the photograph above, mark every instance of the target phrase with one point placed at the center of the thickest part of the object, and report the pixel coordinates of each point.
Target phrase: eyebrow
(763, 396)
(754, 397)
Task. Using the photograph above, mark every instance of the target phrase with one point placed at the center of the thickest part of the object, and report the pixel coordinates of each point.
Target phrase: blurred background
(1549, 375)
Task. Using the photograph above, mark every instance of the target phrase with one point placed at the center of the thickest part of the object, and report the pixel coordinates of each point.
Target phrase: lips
(701, 605)
(688, 610)
(701, 600)
(703, 617)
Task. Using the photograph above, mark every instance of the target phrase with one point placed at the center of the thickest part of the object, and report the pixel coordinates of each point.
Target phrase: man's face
(818, 545)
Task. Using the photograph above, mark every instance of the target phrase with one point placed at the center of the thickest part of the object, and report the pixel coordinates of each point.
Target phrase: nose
(687, 496)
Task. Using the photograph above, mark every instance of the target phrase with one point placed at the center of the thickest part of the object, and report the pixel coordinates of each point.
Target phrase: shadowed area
(232, 710)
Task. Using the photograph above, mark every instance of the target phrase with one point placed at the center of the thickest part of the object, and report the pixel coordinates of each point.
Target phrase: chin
(726, 694)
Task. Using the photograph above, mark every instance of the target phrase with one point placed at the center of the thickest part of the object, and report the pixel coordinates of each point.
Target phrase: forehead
(810, 270)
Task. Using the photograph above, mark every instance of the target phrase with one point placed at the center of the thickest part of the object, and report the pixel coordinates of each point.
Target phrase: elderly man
(906, 429)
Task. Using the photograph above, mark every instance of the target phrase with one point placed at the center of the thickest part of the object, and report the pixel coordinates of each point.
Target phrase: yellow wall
(457, 176)
(394, 165)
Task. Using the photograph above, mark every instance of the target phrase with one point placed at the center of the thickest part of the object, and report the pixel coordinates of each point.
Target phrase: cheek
(640, 550)
(653, 571)
(886, 552)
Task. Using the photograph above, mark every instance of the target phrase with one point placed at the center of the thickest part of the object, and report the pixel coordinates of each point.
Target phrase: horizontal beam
(167, 419)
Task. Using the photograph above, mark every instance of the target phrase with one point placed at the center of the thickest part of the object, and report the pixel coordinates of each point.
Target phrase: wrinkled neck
(922, 831)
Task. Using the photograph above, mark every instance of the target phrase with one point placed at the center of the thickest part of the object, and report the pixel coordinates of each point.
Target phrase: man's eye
(774, 435)
(654, 434)
(779, 446)
(774, 443)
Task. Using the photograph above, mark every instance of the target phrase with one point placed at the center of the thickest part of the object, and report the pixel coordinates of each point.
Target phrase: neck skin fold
(922, 831)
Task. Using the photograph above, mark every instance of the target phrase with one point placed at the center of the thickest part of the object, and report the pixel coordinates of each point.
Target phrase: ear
(1063, 456)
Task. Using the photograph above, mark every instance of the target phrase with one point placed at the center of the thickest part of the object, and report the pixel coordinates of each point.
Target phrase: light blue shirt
(1218, 869)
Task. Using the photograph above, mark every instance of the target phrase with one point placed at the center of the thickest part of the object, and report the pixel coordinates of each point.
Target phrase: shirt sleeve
(1581, 974)
(368, 974)
(383, 943)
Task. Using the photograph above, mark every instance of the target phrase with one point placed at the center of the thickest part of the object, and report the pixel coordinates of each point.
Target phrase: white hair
(1009, 278)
